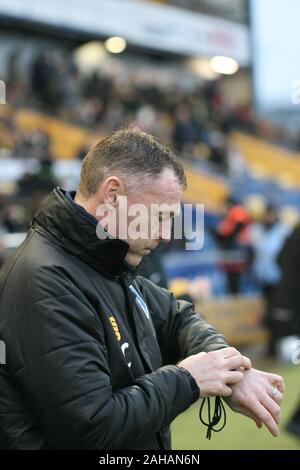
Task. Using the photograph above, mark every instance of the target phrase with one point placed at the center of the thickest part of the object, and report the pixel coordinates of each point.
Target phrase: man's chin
(133, 260)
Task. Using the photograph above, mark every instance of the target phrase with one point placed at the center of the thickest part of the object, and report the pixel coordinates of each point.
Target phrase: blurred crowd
(194, 119)
(103, 102)
(268, 245)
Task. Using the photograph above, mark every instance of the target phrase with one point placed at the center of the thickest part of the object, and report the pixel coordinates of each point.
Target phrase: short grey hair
(128, 153)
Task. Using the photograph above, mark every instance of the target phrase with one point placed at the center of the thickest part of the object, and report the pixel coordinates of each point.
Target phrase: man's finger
(272, 407)
(277, 380)
(226, 391)
(233, 377)
(235, 362)
(265, 417)
(222, 390)
(229, 352)
(277, 397)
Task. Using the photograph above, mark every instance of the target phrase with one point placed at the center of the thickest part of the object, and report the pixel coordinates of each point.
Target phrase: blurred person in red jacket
(233, 237)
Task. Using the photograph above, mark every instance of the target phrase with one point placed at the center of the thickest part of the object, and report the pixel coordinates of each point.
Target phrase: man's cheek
(154, 229)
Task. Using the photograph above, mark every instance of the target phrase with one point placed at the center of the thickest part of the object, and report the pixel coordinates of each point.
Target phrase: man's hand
(214, 371)
(252, 397)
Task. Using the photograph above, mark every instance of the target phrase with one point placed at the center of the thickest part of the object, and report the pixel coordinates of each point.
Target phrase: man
(97, 356)
(232, 235)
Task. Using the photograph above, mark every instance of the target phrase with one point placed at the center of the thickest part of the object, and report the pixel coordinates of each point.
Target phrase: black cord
(218, 412)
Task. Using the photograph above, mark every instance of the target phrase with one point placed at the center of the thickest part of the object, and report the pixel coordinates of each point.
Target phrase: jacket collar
(76, 232)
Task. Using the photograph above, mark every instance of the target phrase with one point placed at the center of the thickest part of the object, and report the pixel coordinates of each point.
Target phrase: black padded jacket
(91, 346)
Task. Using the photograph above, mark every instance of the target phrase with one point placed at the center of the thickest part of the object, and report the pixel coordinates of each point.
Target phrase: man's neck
(88, 204)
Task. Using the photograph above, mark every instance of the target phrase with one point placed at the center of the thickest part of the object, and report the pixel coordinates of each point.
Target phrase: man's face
(151, 210)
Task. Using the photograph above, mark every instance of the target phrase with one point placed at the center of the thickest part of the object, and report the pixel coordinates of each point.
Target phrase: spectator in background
(233, 237)
(284, 316)
(186, 131)
(37, 184)
(267, 239)
(14, 78)
(293, 425)
(41, 77)
(218, 151)
(39, 145)
(13, 218)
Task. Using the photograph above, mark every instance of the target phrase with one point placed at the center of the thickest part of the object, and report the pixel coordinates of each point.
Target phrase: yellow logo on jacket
(114, 324)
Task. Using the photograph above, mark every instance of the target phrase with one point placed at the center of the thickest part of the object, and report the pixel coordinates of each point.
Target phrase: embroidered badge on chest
(140, 301)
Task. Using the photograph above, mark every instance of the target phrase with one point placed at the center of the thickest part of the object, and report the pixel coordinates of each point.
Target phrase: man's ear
(111, 189)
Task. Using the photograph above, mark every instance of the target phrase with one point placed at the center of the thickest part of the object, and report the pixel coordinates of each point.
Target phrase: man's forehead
(164, 189)
(164, 200)
(168, 179)
(166, 186)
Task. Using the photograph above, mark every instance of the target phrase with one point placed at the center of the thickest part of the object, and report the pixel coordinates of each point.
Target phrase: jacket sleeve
(66, 378)
(180, 330)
